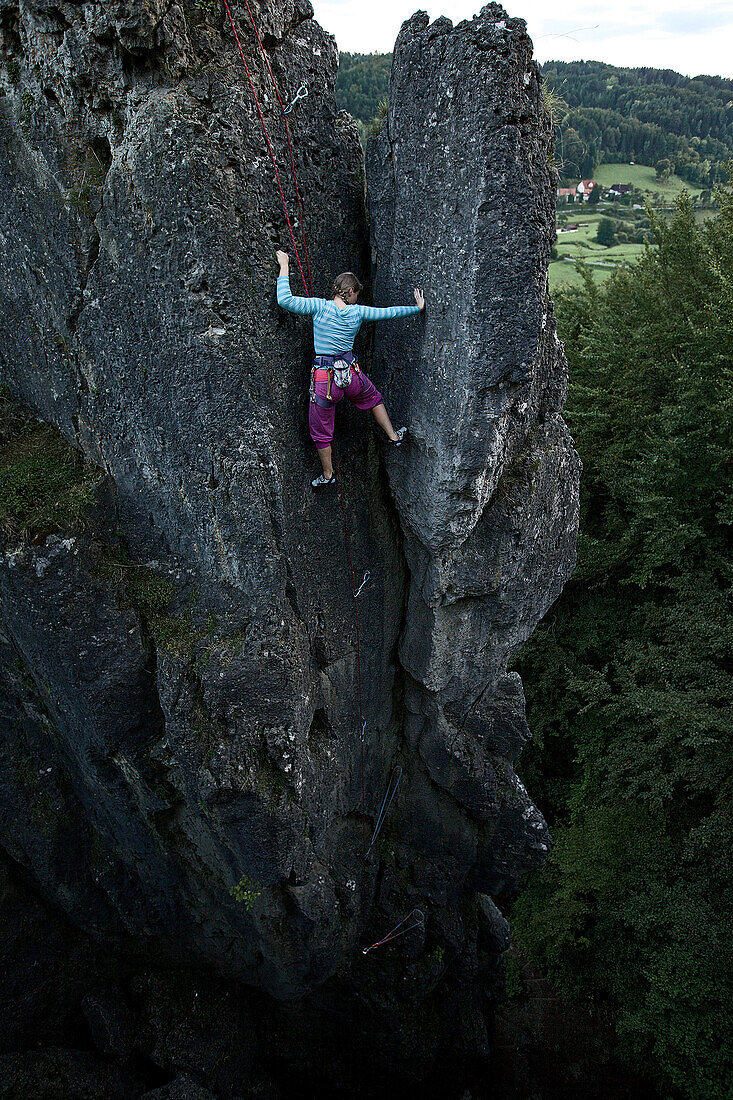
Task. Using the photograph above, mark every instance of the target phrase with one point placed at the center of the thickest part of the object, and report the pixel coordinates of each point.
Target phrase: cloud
(694, 22)
(628, 32)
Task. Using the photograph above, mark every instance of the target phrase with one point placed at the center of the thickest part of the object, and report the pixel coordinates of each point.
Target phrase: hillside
(619, 114)
(611, 114)
(361, 82)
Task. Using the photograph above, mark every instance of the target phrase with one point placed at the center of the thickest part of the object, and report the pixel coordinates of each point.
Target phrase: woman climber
(336, 322)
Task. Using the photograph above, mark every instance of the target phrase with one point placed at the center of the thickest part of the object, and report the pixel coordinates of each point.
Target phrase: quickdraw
(367, 575)
(416, 916)
(301, 93)
(391, 792)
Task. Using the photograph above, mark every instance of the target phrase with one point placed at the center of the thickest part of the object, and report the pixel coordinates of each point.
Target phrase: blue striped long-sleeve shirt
(334, 329)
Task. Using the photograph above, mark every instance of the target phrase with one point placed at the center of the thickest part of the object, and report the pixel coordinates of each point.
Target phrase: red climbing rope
(290, 147)
(269, 145)
(416, 916)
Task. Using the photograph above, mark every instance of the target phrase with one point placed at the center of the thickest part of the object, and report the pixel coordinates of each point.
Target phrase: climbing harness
(391, 787)
(321, 376)
(333, 369)
(417, 916)
(301, 93)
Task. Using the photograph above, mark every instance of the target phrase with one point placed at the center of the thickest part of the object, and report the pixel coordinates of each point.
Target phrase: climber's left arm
(291, 302)
(378, 313)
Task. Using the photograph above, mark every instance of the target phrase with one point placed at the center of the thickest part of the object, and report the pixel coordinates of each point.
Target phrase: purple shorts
(361, 392)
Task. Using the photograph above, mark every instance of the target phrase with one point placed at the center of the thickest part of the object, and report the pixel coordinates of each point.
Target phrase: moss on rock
(46, 485)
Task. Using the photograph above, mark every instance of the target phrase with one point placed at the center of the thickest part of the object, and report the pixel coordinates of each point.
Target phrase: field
(582, 243)
(565, 274)
(643, 177)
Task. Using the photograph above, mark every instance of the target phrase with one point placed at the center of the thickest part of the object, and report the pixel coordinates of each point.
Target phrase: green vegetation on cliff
(46, 485)
(628, 678)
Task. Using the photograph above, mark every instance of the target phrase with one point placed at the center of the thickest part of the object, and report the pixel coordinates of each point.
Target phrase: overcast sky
(691, 38)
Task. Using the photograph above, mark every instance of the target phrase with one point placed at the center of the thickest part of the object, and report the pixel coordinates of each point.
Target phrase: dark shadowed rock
(186, 665)
(183, 1087)
(57, 1074)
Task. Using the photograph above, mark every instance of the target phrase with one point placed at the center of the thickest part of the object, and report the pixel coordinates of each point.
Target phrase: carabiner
(301, 93)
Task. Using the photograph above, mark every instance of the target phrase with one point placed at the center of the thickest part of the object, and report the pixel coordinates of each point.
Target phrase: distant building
(564, 194)
(584, 189)
(619, 189)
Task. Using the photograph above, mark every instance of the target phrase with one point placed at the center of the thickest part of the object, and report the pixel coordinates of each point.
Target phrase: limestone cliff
(180, 670)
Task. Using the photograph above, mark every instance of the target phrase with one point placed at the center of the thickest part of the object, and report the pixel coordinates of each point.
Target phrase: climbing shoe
(319, 482)
(401, 433)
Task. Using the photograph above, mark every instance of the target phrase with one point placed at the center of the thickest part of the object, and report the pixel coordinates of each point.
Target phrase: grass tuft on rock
(245, 891)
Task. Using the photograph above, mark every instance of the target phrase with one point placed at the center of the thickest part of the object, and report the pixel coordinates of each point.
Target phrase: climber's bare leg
(324, 453)
(380, 415)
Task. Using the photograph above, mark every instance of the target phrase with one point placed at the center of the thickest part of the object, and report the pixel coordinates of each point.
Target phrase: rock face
(210, 797)
(461, 199)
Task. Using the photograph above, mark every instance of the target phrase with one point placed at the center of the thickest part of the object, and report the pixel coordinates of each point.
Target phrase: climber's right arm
(285, 298)
(384, 313)
(290, 302)
(376, 313)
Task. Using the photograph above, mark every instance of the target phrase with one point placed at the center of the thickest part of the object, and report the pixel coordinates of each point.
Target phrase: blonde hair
(347, 280)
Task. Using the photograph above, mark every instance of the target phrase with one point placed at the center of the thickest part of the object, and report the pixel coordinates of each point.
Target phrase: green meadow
(582, 242)
(564, 273)
(644, 178)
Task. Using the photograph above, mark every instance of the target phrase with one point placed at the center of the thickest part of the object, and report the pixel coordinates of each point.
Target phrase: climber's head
(346, 286)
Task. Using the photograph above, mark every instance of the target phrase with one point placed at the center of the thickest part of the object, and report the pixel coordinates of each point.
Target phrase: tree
(612, 137)
(573, 152)
(605, 234)
(662, 169)
(628, 679)
(595, 196)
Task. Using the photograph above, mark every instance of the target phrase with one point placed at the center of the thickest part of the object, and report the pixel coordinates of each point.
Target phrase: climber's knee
(321, 423)
(368, 396)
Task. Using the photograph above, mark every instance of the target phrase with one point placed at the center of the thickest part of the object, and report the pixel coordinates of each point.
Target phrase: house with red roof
(584, 189)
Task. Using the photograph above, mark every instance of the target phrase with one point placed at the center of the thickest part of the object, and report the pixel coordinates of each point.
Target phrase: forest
(628, 677)
(607, 114)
